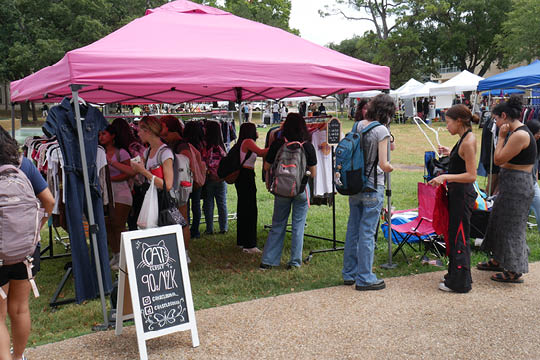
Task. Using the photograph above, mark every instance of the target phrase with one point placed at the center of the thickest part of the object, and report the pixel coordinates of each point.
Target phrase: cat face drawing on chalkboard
(155, 256)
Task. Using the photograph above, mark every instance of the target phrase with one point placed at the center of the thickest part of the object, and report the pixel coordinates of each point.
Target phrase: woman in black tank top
(506, 237)
(461, 196)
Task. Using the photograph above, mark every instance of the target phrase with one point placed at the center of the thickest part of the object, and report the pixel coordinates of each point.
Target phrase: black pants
(461, 199)
(246, 209)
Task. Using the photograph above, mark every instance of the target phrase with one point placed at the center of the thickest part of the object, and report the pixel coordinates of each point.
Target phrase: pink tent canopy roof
(184, 51)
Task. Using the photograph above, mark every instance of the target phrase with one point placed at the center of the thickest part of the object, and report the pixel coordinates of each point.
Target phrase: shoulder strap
(145, 154)
(370, 126)
(248, 154)
(160, 152)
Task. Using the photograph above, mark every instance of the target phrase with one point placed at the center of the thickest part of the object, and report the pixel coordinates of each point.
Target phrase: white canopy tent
(464, 81)
(365, 94)
(422, 91)
(406, 88)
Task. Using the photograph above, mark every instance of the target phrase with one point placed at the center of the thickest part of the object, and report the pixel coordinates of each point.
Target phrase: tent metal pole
(389, 264)
(490, 175)
(13, 120)
(91, 221)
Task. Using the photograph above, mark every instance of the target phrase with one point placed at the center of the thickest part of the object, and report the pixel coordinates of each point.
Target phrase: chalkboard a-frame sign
(333, 131)
(155, 261)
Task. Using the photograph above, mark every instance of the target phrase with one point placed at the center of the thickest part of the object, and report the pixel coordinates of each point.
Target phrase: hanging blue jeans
(365, 209)
(215, 190)
(274, 244)
(61, 122)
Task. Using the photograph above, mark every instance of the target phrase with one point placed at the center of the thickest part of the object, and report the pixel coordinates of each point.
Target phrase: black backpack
(229, 166)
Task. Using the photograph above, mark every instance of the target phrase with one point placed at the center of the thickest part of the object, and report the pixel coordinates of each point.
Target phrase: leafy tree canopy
(415, 37)
(520, 38)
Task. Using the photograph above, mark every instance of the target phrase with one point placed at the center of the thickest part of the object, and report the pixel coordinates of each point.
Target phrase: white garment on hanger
(322, 183)
(55, 161)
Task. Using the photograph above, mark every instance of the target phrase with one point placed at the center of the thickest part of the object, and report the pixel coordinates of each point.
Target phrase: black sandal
(508, 277)
(489, 266)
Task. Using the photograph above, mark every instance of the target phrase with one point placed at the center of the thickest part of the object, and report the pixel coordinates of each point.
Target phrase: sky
(305, 17)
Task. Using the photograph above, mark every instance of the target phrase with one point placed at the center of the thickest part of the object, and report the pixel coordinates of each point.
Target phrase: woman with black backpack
(212, 152)
(365, 207)
(294, 131)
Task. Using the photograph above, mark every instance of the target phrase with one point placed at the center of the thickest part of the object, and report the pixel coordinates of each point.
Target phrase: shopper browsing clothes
(506, 234)
(246, 208)
(213, 150)
(293, 129)
(125, 133)
(461, 196)
(361, 109)
(120, 171)
(14, 278)
(171, 133)
(365, 207)
(158, 159)
(194, 135)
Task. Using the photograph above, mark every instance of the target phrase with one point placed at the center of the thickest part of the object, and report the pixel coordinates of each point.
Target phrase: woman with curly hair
(365, 207)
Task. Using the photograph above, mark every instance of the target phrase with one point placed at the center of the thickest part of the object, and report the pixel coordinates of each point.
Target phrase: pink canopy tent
(184, 51)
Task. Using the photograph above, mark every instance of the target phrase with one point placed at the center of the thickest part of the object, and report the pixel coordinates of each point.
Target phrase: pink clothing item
(147, 56)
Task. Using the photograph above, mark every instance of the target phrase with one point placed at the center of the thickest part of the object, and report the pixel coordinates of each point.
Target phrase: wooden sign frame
(127, 267)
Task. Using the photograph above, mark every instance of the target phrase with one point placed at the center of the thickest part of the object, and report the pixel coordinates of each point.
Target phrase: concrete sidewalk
(410, 319)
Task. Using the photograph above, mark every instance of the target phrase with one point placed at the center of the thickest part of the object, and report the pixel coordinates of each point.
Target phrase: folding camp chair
(422, 225)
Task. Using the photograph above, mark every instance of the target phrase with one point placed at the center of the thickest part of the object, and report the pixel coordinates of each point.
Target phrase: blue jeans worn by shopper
(215, 190)
(61, 122)
(274, 244)
(195, 201)
(365, 209)
(535, 206)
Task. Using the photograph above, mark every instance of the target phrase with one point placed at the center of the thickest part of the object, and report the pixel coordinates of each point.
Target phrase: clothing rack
(56, 237)
(206, 113)
(333, 240)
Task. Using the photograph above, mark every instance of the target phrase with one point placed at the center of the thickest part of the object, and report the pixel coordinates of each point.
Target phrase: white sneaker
(253, 250)
(443, 287)
(187, 258)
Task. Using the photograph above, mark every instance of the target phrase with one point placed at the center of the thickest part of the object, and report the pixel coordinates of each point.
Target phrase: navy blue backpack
(350, 175)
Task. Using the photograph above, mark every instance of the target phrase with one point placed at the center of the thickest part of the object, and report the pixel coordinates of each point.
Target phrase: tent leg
(389, 264)
(91, 221)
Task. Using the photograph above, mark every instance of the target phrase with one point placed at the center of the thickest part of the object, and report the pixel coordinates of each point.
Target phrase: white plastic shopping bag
(148, 217)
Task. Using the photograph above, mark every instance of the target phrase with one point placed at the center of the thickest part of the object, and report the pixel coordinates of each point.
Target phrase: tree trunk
(24, 112)
(6, 97)
(34, 115)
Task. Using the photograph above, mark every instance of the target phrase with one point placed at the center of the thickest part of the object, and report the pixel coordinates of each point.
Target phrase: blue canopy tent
(501, 92)
(524, 76)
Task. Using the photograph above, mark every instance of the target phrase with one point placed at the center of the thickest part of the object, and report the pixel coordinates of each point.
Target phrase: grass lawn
(221, 274)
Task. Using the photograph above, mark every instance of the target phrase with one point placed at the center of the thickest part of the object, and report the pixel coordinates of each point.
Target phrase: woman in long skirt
(506, 232)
